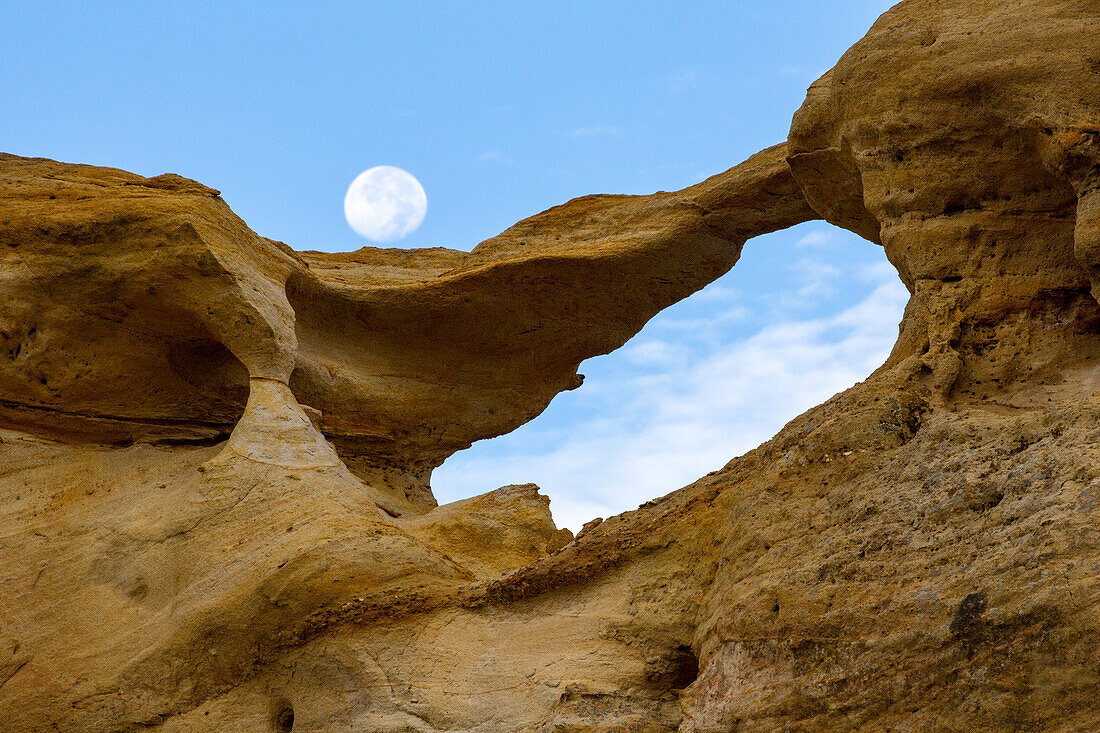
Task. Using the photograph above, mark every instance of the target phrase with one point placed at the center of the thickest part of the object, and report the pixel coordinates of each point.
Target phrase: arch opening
(806, 313)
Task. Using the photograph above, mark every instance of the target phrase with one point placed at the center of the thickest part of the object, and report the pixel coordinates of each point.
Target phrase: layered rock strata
(215, 451)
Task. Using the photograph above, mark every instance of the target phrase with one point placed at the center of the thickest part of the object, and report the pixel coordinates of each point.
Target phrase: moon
(384, 204)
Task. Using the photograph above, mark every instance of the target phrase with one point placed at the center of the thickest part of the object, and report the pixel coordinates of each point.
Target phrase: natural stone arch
(597, 461)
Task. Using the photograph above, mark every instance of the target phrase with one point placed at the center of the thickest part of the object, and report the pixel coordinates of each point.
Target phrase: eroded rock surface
(215, 451)
(140, 309)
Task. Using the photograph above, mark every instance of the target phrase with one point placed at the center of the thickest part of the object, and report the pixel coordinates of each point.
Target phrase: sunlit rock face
(964, 154)
(215, 451)
(140, 309)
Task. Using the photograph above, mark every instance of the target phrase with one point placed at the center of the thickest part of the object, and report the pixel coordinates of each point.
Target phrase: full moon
(384, 204)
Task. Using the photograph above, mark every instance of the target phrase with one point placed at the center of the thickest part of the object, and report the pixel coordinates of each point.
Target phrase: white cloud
(594, 131)
(494, 156)
(684, 80)
(718, 293)
(674, 410)
(818, 279)
(816, 238)
(707, 327)
(652, 353)
(701, 175)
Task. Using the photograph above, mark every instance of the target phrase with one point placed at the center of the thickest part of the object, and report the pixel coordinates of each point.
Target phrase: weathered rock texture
(215, 450)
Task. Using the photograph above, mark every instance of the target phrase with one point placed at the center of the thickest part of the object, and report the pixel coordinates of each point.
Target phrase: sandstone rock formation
(215, 451)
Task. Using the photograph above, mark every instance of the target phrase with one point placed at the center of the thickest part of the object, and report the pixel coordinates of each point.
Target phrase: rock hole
(988, 500)
(209, 369)
(967, 614)
(205, 440)
(140, 591)
(685, 667)
(282, 721)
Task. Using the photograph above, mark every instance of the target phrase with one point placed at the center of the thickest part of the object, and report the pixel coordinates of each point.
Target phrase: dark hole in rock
(139, 591)
(283, 719)
(987, 500)
(970, 610)
(211, 370)
(685, 668)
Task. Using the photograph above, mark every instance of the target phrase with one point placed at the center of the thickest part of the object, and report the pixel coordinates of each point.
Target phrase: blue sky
(501, 110)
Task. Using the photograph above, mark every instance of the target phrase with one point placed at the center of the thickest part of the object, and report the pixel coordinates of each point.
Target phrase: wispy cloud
(818, 279)
(800, 74)
(675, 408)
(594, 131)
(817, 238)
(655, 353)
(684, 80)
(494, 156)
(702, 175)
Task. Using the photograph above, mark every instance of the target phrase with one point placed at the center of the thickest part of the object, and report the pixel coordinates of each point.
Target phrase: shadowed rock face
(214, 450)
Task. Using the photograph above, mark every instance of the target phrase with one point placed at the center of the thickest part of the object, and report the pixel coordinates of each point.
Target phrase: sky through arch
(806, 313)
